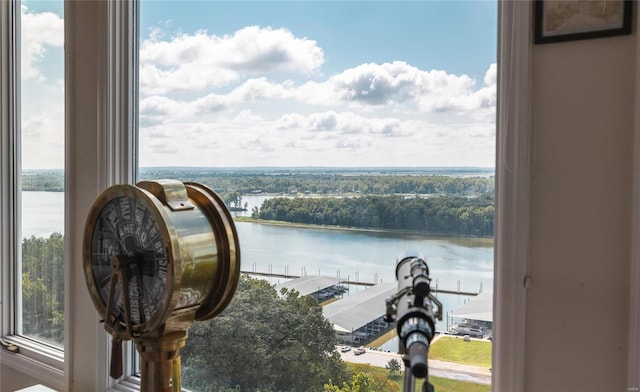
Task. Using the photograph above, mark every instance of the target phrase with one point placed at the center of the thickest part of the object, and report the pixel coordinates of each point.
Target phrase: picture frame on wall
(568, 20)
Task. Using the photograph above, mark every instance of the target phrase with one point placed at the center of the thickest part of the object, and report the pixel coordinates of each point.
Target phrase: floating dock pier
(435, 290)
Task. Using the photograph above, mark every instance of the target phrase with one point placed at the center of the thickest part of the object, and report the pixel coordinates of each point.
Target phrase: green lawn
(439, 384)
(455, 349)
(447, 385)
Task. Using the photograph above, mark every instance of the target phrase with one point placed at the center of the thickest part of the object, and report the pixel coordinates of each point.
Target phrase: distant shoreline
(479, 241)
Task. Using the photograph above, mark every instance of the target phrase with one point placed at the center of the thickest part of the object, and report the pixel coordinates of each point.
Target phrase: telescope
(412, 308)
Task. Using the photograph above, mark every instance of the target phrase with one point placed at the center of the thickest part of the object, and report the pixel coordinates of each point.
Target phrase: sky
(294, 83)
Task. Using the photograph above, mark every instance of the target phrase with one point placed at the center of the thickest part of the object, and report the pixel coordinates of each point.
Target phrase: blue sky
(458, 36)
(295, 83)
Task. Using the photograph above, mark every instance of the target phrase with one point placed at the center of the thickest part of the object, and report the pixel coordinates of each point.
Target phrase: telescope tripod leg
(409, 380)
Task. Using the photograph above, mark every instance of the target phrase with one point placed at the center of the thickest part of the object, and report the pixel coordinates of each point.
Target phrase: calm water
(454, 263)
(43, 213)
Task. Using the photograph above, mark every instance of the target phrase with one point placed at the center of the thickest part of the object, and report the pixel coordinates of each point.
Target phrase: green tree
(43, 287)
(233, 199)
(394, 367)
(263, 341)
(441, 214)
(364, 381)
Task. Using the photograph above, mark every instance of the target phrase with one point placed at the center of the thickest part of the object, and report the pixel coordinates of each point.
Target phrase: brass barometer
(158, 256)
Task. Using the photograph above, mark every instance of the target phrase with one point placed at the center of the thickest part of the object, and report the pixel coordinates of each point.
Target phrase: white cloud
(43, 133)
(350, 123)
(261, 122)
(211, 103)
(220, 101)
(379, 84)
(158, 109)
(197, 61)
(257, 89)
(42, 110)
(290, 121)
(157, 106)
(248, 140)
(392, 87)
(323, 121)
(491, 76)
(326, 137)
(38, 32)
(400, 86)
(467, 100)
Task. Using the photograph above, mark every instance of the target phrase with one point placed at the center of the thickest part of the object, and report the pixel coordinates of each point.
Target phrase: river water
(463, 264)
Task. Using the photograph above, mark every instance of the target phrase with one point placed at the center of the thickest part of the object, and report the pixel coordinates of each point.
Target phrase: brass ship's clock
(158, 256)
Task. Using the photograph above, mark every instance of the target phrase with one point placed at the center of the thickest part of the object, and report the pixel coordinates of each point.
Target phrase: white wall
(582, 113)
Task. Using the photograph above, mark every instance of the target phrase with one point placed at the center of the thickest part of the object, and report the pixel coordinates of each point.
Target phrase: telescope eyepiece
(416, 333)
(418, 360)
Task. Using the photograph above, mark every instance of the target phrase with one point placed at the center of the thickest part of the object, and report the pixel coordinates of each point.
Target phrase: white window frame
(35, 358)
(100, 50)
(511, 243)
(99, 152)
(101, 53)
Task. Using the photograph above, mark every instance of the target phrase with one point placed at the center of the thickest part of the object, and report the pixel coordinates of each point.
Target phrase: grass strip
(439, 384)
(455, 349)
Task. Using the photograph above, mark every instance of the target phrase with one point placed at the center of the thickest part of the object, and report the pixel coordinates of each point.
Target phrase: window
(33, 179)
(41, 138)
(259, 101)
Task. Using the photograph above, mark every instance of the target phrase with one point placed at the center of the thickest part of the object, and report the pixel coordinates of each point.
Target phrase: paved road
(476, 374)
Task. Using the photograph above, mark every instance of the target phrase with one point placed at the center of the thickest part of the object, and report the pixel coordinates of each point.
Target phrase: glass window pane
(41, 285)
(365, 129)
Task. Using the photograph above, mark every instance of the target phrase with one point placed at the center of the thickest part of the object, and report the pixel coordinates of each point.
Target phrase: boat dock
(435, 290)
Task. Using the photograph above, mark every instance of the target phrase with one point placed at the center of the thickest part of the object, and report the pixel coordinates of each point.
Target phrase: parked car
(467, 329)
(359, 351)
(345, 349)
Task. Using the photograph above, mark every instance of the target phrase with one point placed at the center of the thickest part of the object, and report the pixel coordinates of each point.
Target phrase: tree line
(45, 181)
(438, 215)
(334, 183)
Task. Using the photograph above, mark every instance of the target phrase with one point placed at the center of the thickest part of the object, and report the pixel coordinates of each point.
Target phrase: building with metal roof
(320, 287)
(474, 318)
(358, 318)
(479, 308)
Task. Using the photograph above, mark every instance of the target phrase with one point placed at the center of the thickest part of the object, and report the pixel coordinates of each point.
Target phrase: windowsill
(36, 388)
(130, 384)
(43, 363)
